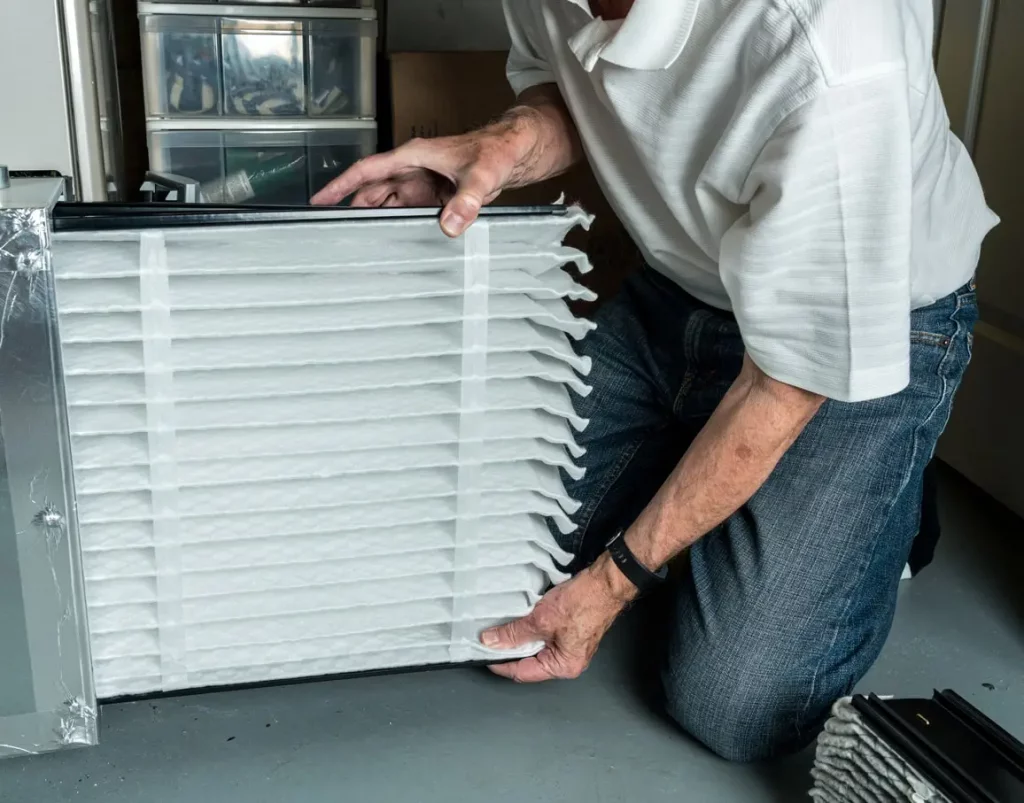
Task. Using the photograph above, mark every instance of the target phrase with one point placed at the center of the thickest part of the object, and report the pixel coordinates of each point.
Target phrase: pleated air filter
(938, 750)
(319, 447)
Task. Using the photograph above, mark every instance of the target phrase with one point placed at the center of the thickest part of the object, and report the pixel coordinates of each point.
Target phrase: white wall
(33, 112)
(416, 25)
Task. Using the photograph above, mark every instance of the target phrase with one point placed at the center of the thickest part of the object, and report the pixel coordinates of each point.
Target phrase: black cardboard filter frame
(74, 217)
(966, 755)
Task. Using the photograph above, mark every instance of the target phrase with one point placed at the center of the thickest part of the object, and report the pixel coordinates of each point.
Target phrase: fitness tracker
(638, 574)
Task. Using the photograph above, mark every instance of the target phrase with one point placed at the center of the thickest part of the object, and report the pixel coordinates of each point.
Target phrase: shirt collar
(651, 37)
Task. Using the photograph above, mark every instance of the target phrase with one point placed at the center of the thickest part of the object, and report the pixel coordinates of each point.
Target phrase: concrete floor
(461, 735)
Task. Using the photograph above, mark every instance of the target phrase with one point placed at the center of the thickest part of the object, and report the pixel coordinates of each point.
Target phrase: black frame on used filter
(39, 513)
(968, 756)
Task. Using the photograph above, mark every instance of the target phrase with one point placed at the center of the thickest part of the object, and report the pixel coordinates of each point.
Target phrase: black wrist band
(638, 574)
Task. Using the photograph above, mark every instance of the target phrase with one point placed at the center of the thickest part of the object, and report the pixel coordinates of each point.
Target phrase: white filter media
(316, 448)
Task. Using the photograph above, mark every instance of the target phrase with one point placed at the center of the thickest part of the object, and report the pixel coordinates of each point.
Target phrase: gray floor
(464, 736)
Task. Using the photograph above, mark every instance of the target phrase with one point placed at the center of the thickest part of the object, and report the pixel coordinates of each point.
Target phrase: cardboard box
(437, 94)
(442, 94)
(419, 25)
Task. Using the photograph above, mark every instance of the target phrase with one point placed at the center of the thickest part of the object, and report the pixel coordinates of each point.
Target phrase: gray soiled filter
(853, 764)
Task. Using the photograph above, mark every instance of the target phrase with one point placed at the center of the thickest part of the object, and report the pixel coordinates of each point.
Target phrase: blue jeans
(783, 608)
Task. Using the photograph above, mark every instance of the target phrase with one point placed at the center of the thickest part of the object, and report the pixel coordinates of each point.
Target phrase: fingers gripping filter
(316, 447)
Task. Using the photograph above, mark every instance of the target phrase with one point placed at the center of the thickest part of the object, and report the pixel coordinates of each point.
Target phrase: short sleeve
(526, 67)
(818, 270)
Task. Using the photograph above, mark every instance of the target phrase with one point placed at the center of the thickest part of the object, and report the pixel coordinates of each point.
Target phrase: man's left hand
(571, 620)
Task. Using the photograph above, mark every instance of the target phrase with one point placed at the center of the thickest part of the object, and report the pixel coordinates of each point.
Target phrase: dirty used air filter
(306, 446)
(941, 750)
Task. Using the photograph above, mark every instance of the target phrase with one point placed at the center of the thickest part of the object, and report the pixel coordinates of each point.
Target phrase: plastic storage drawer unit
(367, 4)
(262, 61)
(260, 167)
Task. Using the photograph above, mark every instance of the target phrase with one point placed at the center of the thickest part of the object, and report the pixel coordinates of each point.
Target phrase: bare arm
(754, 425)
(533, 141)
(541, 133)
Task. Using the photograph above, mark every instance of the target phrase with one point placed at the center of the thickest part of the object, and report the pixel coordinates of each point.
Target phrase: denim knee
(750, 715)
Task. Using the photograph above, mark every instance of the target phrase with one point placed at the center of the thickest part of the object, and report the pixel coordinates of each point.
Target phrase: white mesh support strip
(473, 403)
(154, 290)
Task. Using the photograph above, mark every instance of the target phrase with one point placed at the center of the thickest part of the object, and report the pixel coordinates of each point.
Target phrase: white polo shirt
(789, 160)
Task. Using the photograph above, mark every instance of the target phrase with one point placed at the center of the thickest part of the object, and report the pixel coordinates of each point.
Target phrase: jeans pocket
(935, 339)
(940, 343)
(929, 354)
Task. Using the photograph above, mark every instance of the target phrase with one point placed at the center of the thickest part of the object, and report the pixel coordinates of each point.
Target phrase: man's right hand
(534, 141)
(461, 174)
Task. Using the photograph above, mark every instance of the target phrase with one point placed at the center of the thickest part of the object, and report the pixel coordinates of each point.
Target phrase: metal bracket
(184, 189)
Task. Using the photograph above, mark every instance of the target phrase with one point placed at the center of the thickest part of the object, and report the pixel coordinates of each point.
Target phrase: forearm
(540, 135)
(754, 425)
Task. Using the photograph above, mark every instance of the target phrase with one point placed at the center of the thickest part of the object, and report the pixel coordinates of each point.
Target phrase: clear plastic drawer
(363, 4)
(264, 68)
(182, 66)
(308, 64)
(260, 167)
